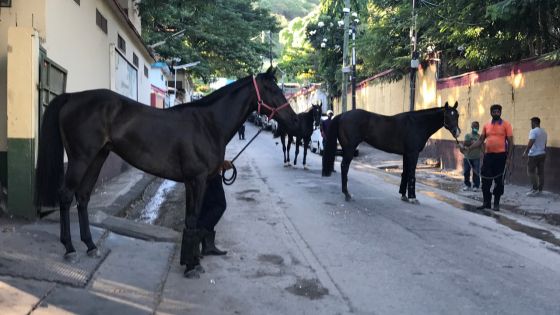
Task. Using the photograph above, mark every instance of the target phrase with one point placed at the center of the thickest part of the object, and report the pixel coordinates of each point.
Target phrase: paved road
(296, 247)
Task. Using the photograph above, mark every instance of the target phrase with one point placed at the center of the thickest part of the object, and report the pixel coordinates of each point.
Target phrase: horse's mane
(212, 97)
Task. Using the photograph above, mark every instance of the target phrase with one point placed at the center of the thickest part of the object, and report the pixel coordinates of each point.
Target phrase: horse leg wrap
(412, 188)
(190, 248)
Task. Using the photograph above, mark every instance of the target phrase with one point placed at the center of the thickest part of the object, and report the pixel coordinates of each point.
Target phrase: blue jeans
(474, 165)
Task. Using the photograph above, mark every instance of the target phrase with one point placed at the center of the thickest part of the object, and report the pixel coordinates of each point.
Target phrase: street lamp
(178, 34)
(183, 66)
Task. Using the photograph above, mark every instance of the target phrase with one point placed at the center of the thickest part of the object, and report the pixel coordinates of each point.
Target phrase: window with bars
(101, 21)
(135, 59)
(146, 71)
(121, 44)
(77, 2)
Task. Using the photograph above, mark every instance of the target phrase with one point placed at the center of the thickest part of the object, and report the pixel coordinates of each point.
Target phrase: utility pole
(270, 47)
(354, 22)
(414, 58)
(345, 69)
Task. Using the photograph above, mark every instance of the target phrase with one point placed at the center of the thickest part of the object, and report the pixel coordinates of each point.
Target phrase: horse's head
(451, 119)
(317, 110)
(272, 101)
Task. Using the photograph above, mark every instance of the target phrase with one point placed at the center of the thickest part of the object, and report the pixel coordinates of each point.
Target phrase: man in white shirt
(536, 150)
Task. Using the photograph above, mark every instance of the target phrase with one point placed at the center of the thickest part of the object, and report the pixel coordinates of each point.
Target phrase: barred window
(121, 44)
(101, 21)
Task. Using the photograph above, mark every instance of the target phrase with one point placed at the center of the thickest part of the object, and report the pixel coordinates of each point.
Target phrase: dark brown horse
(307, 122)
(405, 134)
(185, 143)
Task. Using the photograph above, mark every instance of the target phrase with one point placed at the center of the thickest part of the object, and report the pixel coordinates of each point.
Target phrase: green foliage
(465, 35)
(223, 34)
(290, 9)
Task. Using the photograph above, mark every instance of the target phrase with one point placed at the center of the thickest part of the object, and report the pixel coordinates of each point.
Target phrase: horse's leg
(283, 141)
(298, 142)
(412, 160)
(404, 180)
(305, 146)
(82, 197)
(74, 174)
(288, 150)
(190, 247)
(347, 156)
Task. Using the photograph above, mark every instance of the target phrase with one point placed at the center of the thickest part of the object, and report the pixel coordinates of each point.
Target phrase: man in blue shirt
(536, 151)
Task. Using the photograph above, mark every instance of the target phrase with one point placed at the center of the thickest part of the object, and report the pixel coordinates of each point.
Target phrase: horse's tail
(329, 151)
(50, 162)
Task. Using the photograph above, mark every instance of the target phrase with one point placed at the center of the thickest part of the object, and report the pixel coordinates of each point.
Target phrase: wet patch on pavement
(273, 259)
(242, 195)
(537, 233)
(309, 288)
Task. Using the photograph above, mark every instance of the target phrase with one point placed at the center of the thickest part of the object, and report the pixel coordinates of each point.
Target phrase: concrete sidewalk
(544, 208)
(126, 278)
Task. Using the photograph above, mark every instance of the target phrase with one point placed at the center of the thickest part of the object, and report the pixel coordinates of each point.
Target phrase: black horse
(308, 121)
(185, 143)
(404, 133)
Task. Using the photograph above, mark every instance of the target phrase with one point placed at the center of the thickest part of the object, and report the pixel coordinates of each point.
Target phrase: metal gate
(52, 82)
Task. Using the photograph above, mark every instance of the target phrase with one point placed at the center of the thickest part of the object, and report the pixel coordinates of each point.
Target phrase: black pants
(241, 133)
(213, 205)
(493, 165)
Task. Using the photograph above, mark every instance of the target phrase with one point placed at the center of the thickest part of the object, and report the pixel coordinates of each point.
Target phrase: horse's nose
(457, 132)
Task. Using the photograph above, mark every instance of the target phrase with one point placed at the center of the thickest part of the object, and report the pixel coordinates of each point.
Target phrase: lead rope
(229, 181)
(486, 177)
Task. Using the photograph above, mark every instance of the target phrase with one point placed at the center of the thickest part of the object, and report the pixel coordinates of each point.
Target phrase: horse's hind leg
(404, 180)
(74, 175)
(82, 197)
(190, 247)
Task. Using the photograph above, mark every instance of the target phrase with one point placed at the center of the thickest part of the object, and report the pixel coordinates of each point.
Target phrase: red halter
(272, 110)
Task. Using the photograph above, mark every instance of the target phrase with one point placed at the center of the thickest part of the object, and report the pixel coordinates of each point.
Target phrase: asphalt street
(295, 246)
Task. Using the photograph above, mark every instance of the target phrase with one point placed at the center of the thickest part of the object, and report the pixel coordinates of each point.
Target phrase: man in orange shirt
(497, 135)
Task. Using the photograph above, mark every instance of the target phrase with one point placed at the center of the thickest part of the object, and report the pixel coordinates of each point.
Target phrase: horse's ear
(446, 105)
(271, 71)
(456, 104)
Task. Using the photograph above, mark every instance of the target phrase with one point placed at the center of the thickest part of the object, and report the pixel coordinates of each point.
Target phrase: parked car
(252, 117)
(273, 125)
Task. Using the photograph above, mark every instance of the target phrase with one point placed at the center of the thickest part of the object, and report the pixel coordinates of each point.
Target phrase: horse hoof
(194, 273)
(286, 164)
(413, 201)
(348, 197)
(94, 253)
(305, 167)
(71, 257)
(404, 198)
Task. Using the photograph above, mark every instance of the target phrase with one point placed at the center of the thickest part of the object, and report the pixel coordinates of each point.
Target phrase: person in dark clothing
(241, 132)
(497, 135)
(213, 207)
(325, 126)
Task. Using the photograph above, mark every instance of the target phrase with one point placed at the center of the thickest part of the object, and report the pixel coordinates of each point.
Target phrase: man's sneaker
(467, 188)
(532, 193)
(475, 189)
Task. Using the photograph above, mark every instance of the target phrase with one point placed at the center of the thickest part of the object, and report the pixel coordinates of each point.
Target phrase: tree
(222, 34)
